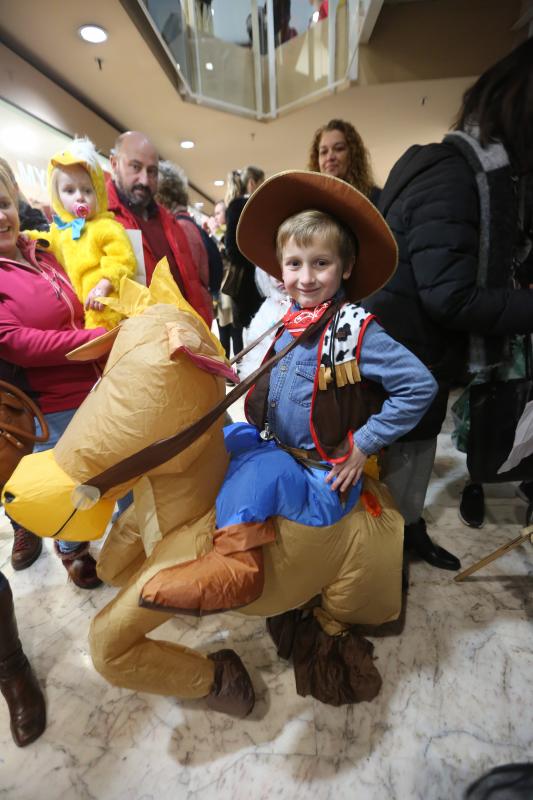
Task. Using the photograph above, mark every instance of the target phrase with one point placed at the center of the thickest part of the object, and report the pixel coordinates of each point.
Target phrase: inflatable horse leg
(368, 587)
(122, 554)
(124, 655)
(367, 590)
(355, 568)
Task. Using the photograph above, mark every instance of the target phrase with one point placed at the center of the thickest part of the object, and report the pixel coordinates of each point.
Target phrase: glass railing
(259, 57)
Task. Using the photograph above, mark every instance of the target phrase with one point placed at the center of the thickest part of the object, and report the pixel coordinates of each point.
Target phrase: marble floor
(456, 696)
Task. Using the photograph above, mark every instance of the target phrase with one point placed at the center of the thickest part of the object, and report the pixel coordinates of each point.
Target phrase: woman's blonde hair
(237, 182)
(233, 186)
(359, 173)
(306, 225)
(8, 179)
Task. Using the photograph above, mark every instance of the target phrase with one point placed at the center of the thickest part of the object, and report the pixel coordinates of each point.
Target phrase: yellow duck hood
(83, 152)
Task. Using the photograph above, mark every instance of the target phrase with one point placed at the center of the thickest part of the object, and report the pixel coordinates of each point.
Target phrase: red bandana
(297, 320)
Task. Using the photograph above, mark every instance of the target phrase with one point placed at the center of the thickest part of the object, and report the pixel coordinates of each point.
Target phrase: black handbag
(495, 410)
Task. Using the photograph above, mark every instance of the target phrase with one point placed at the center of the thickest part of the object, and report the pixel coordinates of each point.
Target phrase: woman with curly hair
(337, 149)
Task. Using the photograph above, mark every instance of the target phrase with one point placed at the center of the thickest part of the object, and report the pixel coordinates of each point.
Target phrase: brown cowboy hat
(290, 192)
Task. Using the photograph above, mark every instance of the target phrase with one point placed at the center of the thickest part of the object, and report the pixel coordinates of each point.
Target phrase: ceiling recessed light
(199, 205)
(209, 66)
(93, 34)
(186, 144)
(218, 183)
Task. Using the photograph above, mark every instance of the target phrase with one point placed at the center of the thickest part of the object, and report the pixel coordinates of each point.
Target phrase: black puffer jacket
(433, 302)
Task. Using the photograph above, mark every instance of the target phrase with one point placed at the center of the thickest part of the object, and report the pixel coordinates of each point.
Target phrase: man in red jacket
(134, 165)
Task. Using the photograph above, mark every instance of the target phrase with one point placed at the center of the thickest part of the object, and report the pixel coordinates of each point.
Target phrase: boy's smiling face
(312, 273)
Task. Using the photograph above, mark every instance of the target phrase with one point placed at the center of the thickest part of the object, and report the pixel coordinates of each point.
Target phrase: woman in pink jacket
(41, 319)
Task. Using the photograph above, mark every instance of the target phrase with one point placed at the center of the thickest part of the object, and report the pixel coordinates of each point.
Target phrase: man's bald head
(135, 168)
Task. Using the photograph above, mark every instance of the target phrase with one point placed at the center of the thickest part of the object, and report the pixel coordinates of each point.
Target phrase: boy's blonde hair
(306, 225)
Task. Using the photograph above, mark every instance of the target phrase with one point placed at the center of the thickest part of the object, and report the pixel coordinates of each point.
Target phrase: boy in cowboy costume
(339, 398)
(320, 415)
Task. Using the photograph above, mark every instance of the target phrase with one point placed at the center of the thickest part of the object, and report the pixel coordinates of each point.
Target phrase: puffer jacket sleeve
(441, 221)
(118, 258)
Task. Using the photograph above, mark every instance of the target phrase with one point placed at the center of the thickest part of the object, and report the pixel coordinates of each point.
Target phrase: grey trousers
(406, 472)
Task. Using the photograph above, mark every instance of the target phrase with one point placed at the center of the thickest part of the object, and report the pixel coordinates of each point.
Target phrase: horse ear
(97, 348)
(190, 336)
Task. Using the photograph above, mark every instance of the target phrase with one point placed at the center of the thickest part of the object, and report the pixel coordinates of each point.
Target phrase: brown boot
(232, 691)
(26, 549)
(18, 684)
(80, 565)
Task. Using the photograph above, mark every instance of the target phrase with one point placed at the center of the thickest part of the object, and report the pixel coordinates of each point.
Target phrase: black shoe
(524, 491)
(417, 541)
(472, 506)
(405, 576)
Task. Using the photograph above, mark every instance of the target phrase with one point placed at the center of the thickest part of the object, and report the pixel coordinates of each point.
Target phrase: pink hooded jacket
(41, 319)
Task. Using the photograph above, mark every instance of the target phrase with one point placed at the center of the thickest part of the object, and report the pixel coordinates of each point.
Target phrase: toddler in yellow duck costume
(91, 246)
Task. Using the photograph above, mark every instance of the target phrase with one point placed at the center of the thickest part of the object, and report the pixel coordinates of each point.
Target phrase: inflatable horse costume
(168, 553)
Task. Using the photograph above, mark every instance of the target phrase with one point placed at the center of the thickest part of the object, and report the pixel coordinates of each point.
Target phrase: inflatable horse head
(164, 371)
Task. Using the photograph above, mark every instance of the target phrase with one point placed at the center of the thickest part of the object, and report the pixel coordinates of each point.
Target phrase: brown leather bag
(17, 428)
(232, 281)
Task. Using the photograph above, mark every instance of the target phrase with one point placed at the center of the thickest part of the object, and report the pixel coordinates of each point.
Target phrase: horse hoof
(232, 691)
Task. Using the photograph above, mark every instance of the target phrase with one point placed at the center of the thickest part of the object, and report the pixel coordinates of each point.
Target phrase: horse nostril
(8, 497)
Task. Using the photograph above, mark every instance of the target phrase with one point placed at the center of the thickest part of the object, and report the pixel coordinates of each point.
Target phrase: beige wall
(25, 87)
(439, 39)
(390, 117)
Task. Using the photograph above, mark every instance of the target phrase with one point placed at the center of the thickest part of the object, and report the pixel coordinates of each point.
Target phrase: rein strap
(159, 452)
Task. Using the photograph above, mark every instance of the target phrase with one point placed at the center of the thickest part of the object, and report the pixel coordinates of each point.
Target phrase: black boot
(18, 684)
(472, 506)
(416, 540)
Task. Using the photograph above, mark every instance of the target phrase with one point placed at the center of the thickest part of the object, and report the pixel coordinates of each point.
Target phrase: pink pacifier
(81, 209)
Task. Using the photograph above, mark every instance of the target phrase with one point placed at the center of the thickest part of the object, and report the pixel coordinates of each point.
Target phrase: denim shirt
(407, 381)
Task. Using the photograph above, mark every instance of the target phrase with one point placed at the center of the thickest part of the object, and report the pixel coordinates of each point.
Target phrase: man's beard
(137, 201)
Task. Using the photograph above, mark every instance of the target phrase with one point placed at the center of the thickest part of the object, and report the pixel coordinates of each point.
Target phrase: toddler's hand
(102, 289)
(348, 473)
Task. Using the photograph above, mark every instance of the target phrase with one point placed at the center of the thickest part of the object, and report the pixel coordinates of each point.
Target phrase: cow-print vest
(342, 400)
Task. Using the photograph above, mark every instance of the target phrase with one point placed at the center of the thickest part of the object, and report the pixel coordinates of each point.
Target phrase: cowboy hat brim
(291, 192)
